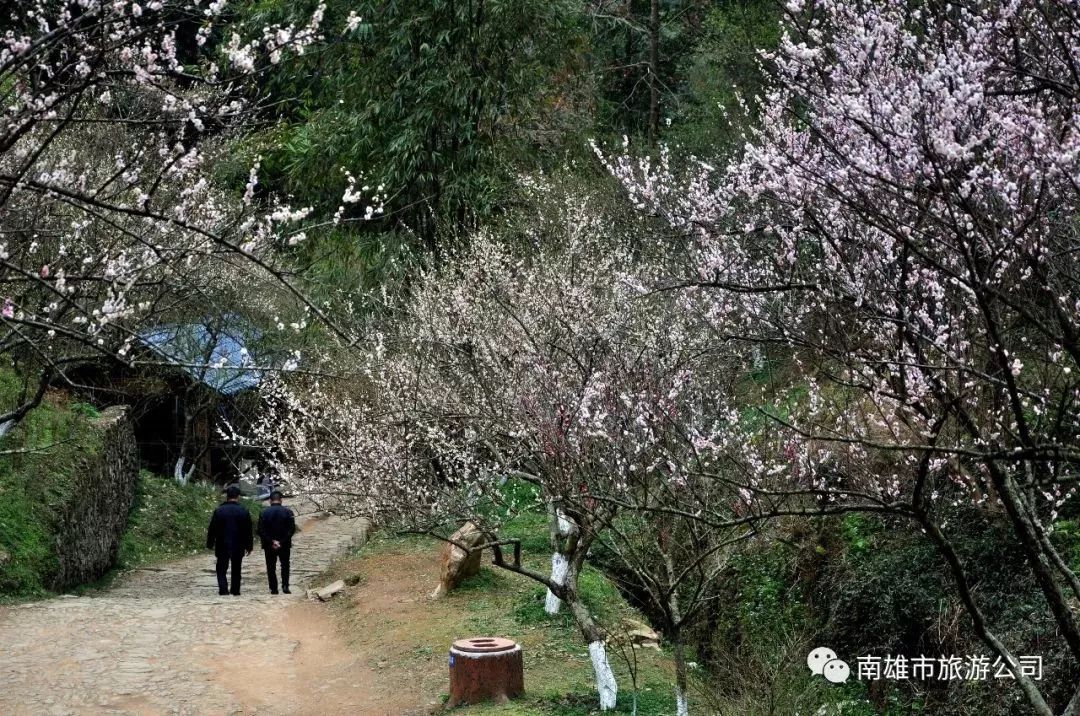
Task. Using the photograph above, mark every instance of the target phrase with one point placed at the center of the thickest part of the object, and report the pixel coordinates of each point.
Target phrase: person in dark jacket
(277, 525)
(230, 538)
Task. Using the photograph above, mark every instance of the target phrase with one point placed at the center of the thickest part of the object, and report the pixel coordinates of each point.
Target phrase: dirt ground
(319, 674)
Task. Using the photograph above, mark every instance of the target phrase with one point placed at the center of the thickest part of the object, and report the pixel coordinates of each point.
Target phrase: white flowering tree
(900, 236)
(552, 368)
(113, 115)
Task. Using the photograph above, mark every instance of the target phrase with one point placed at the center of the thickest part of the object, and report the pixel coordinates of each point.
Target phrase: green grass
(559, 681)
(558, 673)
(532, 529)
(652, 700)
(168, 520)
(35, 483)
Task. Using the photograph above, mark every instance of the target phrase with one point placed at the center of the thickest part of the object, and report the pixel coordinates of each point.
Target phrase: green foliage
(84, 409)
(531, 527)
(1066, 537)
(858, 531)
(655, 697)
(520, 497)
(27, 540)
(168, 520)
(881, 599)
(421, 98)
(39, 473)
(723, 65)
(769, 603)
(598, 593)
(864, 585)
(882, 588)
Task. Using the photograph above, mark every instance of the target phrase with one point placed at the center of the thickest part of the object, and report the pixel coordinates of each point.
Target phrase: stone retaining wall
(92, 521)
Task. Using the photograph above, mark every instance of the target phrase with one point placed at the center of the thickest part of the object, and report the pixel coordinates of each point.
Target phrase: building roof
(217, 357)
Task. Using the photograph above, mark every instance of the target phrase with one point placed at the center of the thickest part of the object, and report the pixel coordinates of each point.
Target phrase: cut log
(485, 669)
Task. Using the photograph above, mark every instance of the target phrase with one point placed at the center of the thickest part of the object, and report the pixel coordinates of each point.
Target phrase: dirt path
(163, 642)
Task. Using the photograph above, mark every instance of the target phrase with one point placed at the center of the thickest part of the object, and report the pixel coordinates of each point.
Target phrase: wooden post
(202, 445)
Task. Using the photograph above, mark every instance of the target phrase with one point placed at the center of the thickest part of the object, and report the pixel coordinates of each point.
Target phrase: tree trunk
(563, 542)
(952, 559)
(674, 632)
(606, 686)
(559, 564)
(1037, 559)
(654, 71)
(179, 475)
(682, 707)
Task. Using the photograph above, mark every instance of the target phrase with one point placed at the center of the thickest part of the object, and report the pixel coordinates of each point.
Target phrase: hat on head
(232, 491)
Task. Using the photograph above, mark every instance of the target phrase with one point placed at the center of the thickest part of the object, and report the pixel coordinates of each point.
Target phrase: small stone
(641, 634)
(328, 591)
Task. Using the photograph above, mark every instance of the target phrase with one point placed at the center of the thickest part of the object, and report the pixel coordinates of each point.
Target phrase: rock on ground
(458, 564)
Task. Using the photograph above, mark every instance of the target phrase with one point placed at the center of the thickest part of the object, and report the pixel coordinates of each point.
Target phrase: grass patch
(388, 620)
(169, 520)
(652, 700)
(532, 529)
(35, 481)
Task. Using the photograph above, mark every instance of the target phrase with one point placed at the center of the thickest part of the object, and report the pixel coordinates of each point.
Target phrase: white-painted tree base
(559, 565)
(178, 472)
(681, 707)
(565, 525)
(605, 678)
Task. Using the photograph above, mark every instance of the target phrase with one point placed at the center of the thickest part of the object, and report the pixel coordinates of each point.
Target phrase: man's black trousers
(272, 556)
(224, 561)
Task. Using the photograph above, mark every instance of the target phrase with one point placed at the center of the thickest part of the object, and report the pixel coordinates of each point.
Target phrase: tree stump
(485, 668)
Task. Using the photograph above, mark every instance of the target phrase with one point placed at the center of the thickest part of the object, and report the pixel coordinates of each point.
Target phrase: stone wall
(92, 520)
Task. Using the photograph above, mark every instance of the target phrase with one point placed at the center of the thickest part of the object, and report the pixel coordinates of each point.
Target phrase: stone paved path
(163, 642)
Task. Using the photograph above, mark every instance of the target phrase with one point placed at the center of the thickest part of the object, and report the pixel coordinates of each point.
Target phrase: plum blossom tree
(555, 370)
(675, 561)
(900, 234)
(112, 117)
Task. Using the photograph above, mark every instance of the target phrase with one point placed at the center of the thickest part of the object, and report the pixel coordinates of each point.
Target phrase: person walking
(277, 525)
(230, 537)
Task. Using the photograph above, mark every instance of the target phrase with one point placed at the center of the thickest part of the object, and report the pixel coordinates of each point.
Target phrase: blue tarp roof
(217, 357)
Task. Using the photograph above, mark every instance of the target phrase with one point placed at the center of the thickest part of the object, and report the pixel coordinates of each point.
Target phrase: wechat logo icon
(823, 662)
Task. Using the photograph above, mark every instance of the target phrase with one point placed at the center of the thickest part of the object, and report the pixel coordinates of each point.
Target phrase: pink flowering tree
(113, 115)
(900, 235)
